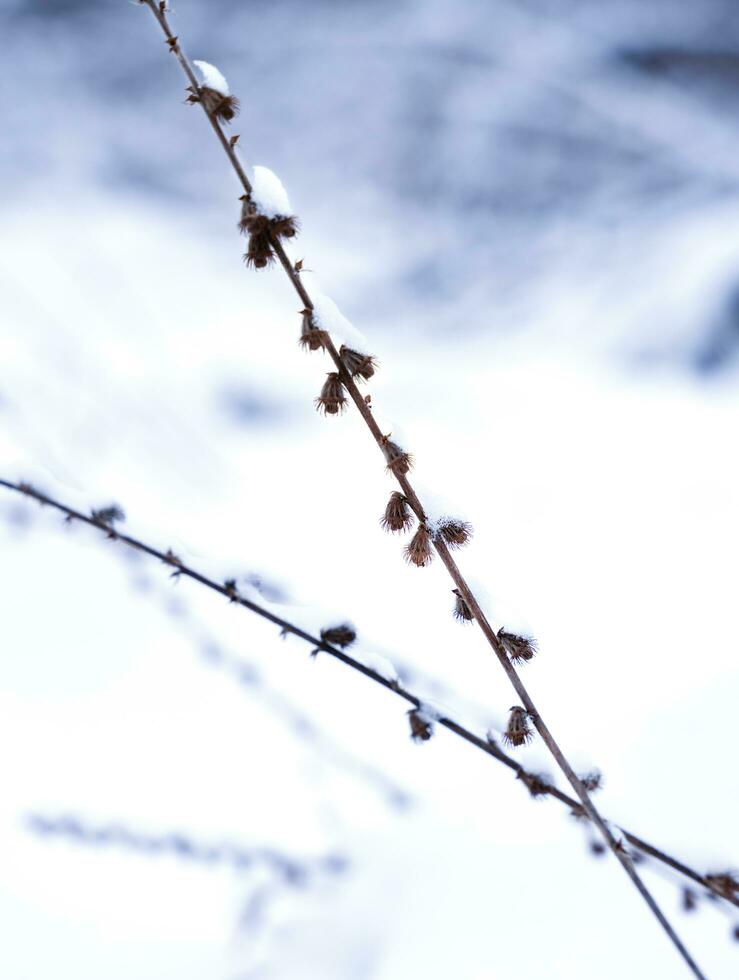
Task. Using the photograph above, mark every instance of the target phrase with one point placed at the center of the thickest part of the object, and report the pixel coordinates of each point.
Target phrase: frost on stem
(519, 648)
(398, 461)
(332, 400)
(462, 612)
(398, 515)
(418, 551)
(360, 366)
(214, 93)
(342, 635)
(422, 724)
(311, 335)
(517, 730)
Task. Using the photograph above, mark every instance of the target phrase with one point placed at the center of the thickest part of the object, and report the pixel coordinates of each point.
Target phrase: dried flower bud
(518, 648)
(342, 635)
(421, 725)
(332, 400)
(230, 588)
(108, 515)
(517, 731)
(285, 226)
(418, 551)
(537, 783)
(726, 883)
(358, 365)
(592, 780)
(455, 533)
(311, 336)
(224, 107)
(462, 611)
(171, 558)
(398, 515)
(597, 848)
(397, 460)
(689, 900)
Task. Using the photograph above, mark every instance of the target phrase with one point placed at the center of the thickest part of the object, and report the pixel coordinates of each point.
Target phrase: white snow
(212, 78)
(329, 317)
(381, 665)
(269, 194)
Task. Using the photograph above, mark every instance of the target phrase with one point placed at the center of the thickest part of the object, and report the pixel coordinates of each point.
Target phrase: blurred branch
(291, 870)
(715, 884)
(267, 243)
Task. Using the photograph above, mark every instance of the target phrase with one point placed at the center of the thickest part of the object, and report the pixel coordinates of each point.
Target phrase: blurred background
(530, 208)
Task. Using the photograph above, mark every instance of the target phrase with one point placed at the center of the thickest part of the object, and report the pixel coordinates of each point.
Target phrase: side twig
(159, 10)
(714, 884)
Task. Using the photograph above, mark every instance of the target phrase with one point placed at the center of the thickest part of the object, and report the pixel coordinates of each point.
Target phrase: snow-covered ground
(552, 401)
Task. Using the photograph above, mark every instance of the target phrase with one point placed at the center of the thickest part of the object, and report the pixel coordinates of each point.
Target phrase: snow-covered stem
(229, 591)
(159, 11)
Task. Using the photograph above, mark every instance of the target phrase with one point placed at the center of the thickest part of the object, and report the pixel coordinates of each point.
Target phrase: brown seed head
(724, 882)
(397, 460)
(519, 648)
(418, 551)
(398, 515)
(311, 336)
(455, 533)
(360, 366)
(224, 107)
(342, 635)
(537, 783)
(592, 780)
(332, 400)
(421, 725)
(462, 611)
(517, 731)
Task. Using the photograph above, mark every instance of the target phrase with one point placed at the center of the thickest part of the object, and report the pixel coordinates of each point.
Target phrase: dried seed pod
(342, 635)
(462, 611)
(421, 725)
(259, 253)
(398, 515)
(230, 588)
(397, 460)
(285, 226)
(537, 783)
(592, 780)
(519, 648)
(725, 883)
(224, 107)
(689, 900)
(358, 365)
(418, 551)
(311, 336)
(108, 515)
(597, 848)
(517, 731)
(332, 400)
(455, 533)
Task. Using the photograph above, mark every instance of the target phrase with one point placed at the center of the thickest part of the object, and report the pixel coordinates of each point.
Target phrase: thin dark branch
(490, 748)
(159, 11)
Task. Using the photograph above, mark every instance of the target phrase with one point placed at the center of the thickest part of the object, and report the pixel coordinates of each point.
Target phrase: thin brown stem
(158, 10)
(485, 745)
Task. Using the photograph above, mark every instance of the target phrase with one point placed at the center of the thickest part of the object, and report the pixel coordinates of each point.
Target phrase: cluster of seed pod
(263, 232)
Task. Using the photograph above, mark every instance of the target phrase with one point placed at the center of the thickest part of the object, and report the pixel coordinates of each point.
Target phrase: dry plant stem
(441, 548)
(486, 746)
